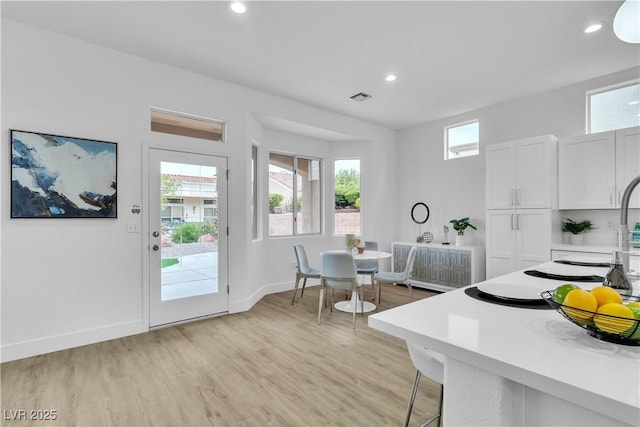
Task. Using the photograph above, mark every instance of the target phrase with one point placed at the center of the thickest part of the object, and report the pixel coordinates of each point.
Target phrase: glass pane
(462, 141)
(280, 195)
(615, 109)
(189, 244)
(308, 196)
(347, 197)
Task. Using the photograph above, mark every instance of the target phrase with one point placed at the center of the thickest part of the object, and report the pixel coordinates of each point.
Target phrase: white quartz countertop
(537, 348)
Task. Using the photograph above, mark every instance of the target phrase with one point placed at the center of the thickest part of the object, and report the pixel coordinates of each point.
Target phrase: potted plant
(576, 229)
(460, 225)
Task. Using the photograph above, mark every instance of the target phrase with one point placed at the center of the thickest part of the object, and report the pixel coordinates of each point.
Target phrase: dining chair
(369, 267)
(430, 364)
(303, 270)
(338, 271)
(400, 277)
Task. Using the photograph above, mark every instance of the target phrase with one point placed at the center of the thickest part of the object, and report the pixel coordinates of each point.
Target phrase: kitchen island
(507, 366)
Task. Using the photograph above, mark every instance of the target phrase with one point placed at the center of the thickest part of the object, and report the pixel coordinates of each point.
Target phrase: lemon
(561, 292)
(623, 320)
(582, 300)
(633, 304)
(605, 295)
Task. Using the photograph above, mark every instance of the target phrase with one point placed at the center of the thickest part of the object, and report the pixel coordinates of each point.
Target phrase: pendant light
(626, 23)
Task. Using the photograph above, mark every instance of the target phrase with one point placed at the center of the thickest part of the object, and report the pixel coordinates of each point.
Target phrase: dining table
(366, 306)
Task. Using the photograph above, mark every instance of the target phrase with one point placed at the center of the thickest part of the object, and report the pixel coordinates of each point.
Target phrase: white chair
(338, 271)
(430, 364)
(303, 270)
(401, 277)
(369, 267)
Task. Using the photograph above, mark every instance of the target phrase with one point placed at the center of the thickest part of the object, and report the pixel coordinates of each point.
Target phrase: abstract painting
(56, 176)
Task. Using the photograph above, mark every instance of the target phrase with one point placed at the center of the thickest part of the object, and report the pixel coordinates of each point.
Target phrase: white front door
(188, 236)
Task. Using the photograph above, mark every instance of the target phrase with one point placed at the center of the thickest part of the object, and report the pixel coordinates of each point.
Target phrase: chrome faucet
(623, 231)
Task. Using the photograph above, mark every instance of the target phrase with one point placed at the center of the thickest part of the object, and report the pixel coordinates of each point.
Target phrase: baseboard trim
(50, 344)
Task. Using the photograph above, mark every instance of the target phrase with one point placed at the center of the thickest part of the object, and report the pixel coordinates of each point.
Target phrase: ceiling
(450, 57)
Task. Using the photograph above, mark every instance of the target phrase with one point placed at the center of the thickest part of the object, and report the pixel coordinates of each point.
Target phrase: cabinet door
(439, 266)
(421, 265)
(627, 163)
(533, 173)
(533, 237)
(501, 242)
(500, 176)
(586, 174)
(459, 268)
(400, 255)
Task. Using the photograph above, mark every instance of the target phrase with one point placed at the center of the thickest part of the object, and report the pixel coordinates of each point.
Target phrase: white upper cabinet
(595, 169)
(627, 163)
(521, 174)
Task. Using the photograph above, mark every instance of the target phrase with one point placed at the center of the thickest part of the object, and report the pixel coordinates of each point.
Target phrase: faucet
(623, 231)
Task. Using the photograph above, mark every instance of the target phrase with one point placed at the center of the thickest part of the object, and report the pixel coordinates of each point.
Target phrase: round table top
(366, 255)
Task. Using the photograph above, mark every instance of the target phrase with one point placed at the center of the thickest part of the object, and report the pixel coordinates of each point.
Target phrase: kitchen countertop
(591, 248)
(537, 348)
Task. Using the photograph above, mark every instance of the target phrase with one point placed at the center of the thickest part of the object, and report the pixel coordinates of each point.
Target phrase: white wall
(77, 281)
(456, 188)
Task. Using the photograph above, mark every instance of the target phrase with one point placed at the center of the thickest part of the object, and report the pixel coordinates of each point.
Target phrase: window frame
(446, 138)
(598, 91)
(254, 193)
(178, 129)
(294, 210)
(333, 203)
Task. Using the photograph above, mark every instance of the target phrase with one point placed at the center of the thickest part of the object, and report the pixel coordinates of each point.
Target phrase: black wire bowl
(606, 328)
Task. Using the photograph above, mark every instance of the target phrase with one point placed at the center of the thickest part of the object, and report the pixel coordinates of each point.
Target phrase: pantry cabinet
(517, 239)
(595, 169)
(521, 174)
(441, 267)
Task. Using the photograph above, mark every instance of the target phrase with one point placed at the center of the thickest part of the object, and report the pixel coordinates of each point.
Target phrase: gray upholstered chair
(401, 277)
(369, 267)
(303, 270)
(338, 271)
(430, 364)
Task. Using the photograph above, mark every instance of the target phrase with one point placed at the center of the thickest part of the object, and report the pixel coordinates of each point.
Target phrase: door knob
(155, 247)
(156, 234)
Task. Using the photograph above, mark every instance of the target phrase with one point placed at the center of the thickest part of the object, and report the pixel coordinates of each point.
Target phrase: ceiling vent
(361, 97)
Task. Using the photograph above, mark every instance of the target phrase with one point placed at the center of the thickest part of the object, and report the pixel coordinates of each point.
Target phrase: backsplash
(606, 222)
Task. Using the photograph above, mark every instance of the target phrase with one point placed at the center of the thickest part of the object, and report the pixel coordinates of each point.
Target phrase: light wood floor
(270, 366)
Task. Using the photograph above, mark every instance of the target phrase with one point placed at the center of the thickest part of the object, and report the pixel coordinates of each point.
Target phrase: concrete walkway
(193, 275)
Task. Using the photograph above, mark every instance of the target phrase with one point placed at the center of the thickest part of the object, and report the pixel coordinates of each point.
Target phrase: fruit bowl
(619, 330)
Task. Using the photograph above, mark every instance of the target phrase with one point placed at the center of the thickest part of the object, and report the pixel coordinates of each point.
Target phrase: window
(462, 140)
(254, 192)
(294, 195)
(186, 125)
(347, 197)
(614, 107)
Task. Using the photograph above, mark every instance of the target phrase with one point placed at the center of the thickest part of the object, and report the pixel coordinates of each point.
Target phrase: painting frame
(56, 176)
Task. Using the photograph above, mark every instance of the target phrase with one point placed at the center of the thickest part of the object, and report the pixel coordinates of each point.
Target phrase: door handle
(518, 197)
(512, 226)
(155, 247)
(513, 197)
(517, 221)
(156, 234)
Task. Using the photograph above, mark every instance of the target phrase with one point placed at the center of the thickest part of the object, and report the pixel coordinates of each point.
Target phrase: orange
(583, 300)
(605, 295)
(614, 325)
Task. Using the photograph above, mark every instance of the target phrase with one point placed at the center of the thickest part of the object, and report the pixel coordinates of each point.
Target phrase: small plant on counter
(461, 224)
(573, 227)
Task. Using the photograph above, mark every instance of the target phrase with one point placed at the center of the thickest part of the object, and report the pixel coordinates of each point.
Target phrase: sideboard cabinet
(441, 267)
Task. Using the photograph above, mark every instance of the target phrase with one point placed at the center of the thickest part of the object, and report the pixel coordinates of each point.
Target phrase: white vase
(577, 239)
(461, 240)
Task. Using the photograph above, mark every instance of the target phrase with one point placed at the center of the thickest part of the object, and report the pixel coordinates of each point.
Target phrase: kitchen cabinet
(522, 174)
(595, 169)
(517, 239)
(441, 267)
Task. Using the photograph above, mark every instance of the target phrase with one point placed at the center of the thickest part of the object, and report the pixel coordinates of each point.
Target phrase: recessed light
(593, 28)
(238, 7)
(390, 77)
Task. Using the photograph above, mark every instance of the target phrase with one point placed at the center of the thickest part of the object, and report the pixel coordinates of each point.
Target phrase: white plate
(510, 291)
